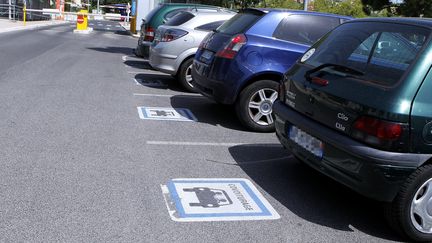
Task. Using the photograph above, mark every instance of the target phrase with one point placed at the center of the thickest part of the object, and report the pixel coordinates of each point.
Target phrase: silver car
(177, 41)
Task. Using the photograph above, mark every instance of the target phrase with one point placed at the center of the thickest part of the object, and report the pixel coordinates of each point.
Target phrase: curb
(31, 27)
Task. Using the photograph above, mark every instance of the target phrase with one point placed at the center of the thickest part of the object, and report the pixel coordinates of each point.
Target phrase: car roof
(186, 4)
(268, 10)
(424, 22)
(210, 11)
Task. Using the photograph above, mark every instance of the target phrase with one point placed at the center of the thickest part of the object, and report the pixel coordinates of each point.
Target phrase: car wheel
(411, 211)
(254, 105)
(185, 75)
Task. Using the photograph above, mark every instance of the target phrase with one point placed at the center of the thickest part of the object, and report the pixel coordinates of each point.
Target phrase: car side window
(394, 48)
(304, 29)
(210, 26)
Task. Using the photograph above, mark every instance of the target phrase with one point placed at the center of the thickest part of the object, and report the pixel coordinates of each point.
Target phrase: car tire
(408, 211)
(254, 105)
(185, 75)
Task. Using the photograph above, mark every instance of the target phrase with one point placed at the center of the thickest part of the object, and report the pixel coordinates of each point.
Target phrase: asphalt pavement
(79, 164)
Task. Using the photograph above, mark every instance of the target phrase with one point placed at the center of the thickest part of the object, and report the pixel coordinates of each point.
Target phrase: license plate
(306, 141)
(206, 55)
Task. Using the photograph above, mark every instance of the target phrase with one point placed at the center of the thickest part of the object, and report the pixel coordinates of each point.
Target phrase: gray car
(176, 42)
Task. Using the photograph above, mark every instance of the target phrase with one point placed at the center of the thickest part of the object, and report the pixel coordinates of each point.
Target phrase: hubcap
(260, 106)
(188, 75)
(421, 208)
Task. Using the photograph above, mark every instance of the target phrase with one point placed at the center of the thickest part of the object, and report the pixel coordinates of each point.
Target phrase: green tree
(352, 8)
(376, 5)
(416, 8)
(289, 4)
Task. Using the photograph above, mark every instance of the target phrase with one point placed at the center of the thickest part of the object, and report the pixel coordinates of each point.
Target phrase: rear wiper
(337, 67)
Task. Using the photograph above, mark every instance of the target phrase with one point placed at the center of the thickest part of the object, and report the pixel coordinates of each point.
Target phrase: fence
(16, 12)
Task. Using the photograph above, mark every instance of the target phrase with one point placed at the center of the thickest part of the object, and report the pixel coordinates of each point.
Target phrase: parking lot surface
(79, 164)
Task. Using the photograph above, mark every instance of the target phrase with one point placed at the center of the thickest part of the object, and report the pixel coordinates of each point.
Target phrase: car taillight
(378, 128)
(377, 132)
(149, 34)
(172, 34)
(233, 47)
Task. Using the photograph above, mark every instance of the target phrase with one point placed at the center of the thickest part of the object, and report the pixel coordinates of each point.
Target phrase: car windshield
(383, 52)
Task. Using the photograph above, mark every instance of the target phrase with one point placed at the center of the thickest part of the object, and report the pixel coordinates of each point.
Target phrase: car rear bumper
(143, 48)
(162, 62)
(371, 172)
(222, 89)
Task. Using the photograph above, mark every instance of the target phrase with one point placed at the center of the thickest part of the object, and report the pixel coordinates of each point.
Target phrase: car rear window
(304, 29)
(210, 26)
(381, 51)
(240, 22)
(151, 13)
(180, 19)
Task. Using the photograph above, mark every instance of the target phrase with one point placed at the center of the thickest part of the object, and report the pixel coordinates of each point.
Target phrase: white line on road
(208, 144)
(125, 58)
(108, 25)
(162, 95)
(108, 28)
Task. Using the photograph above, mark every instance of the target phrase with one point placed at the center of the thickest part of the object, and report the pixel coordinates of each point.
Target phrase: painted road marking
(221, 199)
(185, 143)
(108, 29)
(165, 114)
(163, 95)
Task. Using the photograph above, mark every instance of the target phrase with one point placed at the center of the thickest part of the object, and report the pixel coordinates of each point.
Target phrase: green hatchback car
(357, 106)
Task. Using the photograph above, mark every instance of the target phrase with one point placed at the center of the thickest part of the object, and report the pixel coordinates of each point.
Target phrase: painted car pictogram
(209, 198)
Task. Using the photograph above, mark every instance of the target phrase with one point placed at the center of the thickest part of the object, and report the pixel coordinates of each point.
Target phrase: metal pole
(24, 13)
(10, 9)
(305, 5)
(98, 7)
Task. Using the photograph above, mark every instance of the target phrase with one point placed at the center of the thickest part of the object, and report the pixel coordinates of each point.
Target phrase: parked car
(177, 41)
(242, 61)
(357, 107)
(156, 17)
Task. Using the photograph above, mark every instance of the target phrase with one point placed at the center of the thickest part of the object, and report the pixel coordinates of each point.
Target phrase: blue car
(242, 62)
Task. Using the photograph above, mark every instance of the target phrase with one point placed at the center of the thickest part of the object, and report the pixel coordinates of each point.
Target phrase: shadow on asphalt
(206, 111)
(138, 64)
(153, 81)
(309, 194)
(113, 49)
(121, 32)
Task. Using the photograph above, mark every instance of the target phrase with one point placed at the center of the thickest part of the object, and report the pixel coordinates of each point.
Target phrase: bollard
(82, 22)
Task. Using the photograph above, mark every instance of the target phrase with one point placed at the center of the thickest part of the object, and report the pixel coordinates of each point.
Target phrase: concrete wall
(143, 8)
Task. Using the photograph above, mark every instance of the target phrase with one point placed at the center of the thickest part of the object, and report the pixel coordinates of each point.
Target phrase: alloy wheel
(260, 106)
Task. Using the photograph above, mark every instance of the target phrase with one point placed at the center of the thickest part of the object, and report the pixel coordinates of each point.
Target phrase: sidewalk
(8, 25)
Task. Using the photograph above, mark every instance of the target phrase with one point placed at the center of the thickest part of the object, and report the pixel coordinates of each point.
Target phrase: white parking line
(108, 25)
(192, 143)
(108, 28)
(162, 95)
(208, 144)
